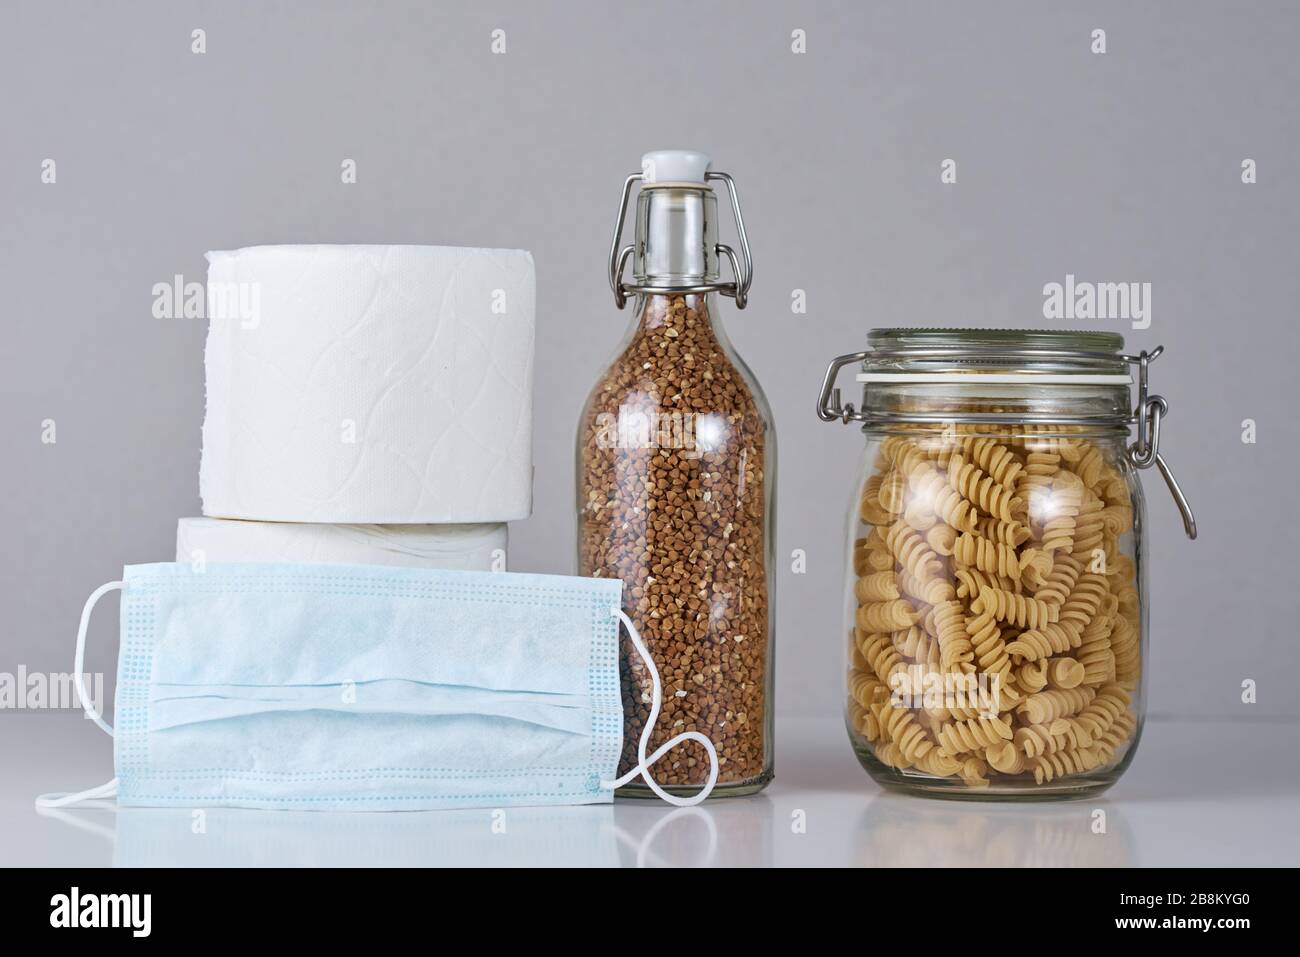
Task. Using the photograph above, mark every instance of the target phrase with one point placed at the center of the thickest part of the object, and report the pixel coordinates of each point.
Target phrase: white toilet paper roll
(369, 384)
(465, 547)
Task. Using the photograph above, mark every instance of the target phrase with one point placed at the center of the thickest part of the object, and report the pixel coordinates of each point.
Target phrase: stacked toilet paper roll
(468, 547)
(367, 404)
(369, 384)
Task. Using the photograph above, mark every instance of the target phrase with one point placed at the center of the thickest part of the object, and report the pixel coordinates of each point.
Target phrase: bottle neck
(676, 237)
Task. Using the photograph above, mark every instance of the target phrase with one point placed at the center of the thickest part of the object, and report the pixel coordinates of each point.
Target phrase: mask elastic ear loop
(642, 769)
(109, 788)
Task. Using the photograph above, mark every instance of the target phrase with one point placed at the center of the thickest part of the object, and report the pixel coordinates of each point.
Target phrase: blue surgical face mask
(355, 687)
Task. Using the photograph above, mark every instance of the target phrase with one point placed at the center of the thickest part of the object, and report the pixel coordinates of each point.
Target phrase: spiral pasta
(1006, 757)
(880, 656)
(870, 554)
(940, 500)
(986, 555)
(976, 734)
(1085, 460)
(1051, 639)
(1120, 734)
(866, 689)
(902, 729)
(1018, 610)
(917, 646)
(998, 461)
(1124, 646)
(930, 592)
(1054, 509)
(980, 490)
(973, 771)
(1003, 532)
(1040, 469)
(1095, 653)
(1032, 676)
(880, 586)
(1111, 702)
(1084, 602)
(1058, 584)
(892, 493)
(886, 615)
(870, 509)
(948, 626)
(1035, 740)
(912, 553)
(939, 764)
(993, 564)
(1065, 673)
(971, 581)
(1046, 706)
(941, 538)
(1063, 763)
(989, 649)
(1089, 527)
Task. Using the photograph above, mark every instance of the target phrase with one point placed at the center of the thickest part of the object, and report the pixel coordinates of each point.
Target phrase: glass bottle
(676, 456)
(996, 607)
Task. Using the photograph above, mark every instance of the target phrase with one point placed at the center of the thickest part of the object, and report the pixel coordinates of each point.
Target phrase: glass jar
(676, 457)
(995, 593)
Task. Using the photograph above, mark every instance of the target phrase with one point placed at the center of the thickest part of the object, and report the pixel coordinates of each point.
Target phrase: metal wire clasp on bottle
(668, 256)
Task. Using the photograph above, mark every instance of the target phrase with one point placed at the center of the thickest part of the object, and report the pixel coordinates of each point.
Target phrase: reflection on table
(632, 833)
(897, 830)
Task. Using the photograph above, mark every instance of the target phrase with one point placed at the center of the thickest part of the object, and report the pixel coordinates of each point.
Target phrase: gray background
(1121, 167)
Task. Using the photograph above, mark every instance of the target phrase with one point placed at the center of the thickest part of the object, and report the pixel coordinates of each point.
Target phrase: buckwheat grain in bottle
(676, 454)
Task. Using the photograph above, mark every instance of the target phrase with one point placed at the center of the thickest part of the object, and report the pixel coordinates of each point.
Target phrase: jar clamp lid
(676, 248)
(1008, 357)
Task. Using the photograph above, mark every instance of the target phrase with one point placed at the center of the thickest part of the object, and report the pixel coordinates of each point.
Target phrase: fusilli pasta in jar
(995, 613)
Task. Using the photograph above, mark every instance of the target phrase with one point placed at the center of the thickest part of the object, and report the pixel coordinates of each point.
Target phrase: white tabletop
(1200, 793)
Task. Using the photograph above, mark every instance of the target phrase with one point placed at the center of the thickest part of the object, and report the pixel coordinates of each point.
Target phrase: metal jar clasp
(1145, 450)
(1146, 418)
